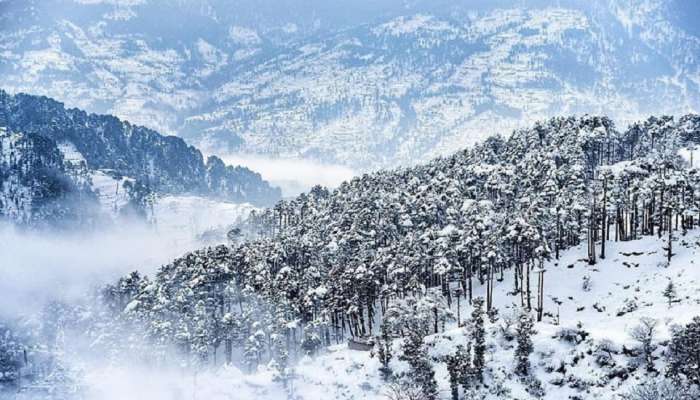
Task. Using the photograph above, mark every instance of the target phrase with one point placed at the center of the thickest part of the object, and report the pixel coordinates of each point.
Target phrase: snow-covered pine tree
(523, 334)
(683, 355)
(670, 293)
(453, 363)
(415, 354)
(478, 336)
(384, 351)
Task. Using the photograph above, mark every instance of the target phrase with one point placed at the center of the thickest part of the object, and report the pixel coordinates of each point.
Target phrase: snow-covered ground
(110, 191)
(185, 216)
(187, 220)
(197, 218)
(633, 273)
(293, 175)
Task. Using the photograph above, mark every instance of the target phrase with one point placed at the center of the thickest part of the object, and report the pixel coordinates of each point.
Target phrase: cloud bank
(293, 175)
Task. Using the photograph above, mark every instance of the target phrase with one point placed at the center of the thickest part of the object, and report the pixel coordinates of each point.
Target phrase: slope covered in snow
(635, 272)
(373, 85)
(63, 166)
(420, 260)
(569, 366)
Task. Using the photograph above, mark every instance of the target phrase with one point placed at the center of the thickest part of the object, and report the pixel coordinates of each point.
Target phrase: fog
(142, 383)
(36, 267)
(293, 175)
(39, 267)
(59, 266)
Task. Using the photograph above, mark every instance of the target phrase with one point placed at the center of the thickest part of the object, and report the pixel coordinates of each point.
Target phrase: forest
(397, 256)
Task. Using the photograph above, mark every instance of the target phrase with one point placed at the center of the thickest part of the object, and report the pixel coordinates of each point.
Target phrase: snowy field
(195, 221)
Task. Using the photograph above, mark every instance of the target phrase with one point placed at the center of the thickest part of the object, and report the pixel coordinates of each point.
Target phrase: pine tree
(199, 343)
(311, 341)
(254, 346)
(524, 331)
(280, 354)
(478, 338)
(670, 293)
(421, 369)
(464, 366)
(453, 363)
(12, 352)
(683, 354)
(384, 352)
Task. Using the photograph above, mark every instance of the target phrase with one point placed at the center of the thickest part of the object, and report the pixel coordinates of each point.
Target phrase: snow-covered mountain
(366, 85)
(556, 263)
(61, 165)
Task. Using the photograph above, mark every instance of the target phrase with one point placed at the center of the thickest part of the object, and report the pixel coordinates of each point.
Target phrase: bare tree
(644, 334)
(404, 390)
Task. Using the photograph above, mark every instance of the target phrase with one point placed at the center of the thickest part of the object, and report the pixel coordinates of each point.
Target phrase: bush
(534, 388)
(405, 389)
(574, 336)
(604, 352)
(662, 390)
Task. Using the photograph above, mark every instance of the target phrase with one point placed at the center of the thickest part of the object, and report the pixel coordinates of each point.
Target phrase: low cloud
(36, 267)
(293, 175)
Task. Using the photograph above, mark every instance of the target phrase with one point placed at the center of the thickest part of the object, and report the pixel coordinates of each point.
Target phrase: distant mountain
(56, 162)
(368, 85)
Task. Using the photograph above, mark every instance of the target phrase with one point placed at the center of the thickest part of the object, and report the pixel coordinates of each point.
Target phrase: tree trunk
(604, 221)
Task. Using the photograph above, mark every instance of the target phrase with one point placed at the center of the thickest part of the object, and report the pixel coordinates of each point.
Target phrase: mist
(38, 268)
(144, 383)
(293, 175)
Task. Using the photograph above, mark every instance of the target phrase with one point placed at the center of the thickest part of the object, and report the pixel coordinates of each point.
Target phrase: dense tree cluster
(405, 246)
(393, 253)
(35, 128)
(684, 358)
(35, 186)
(12, 354)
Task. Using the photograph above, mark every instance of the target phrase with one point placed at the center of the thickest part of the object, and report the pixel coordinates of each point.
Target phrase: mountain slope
(570, 220)
(394, 84)
(417, 86)
(424, 259)
(586, 353)
(34, 184)
(45, 144)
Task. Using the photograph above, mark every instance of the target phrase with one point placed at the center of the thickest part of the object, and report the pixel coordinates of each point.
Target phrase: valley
(366, 199)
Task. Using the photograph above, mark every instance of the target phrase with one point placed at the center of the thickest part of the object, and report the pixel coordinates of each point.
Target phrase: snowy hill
(525, 267)
(570, 367)
(373, 85)
(64, 166)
